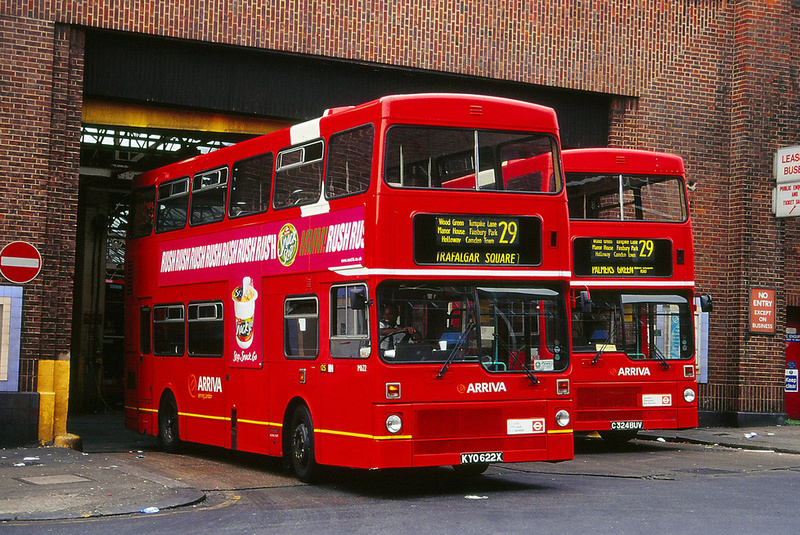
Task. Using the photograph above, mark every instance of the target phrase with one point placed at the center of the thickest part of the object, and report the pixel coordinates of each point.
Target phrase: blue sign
(791, 381)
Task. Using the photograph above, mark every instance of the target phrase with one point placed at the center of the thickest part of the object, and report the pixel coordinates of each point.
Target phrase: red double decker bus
(633, 284)
(384, 286)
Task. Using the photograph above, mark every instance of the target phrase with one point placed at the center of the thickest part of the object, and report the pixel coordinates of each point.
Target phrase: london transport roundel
(20, 262)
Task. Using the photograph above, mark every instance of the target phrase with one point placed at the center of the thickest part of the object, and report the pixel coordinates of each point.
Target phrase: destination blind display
(622, 257)
(477, 240)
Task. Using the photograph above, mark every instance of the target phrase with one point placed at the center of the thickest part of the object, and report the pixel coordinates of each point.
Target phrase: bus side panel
(248, 410)
(247, 392)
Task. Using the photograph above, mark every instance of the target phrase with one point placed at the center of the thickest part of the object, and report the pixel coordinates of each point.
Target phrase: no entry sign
(20, 262)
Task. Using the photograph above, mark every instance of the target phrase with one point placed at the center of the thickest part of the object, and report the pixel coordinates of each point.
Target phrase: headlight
(688, 395)
(394, 423)
(562, 418)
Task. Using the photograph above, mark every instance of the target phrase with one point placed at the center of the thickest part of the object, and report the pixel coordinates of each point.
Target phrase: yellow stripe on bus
(360, 435)
(204, 416)
(140, 409)
(256, 422)
(321, 431)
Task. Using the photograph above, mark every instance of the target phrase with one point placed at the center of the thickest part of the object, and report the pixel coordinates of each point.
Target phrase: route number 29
(508, 231)
(645, 248)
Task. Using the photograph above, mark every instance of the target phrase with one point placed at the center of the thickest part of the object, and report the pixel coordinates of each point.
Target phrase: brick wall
(715, 81)
(39, 127)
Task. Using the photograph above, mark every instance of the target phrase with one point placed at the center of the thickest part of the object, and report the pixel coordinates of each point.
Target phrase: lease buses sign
(448, 239)
(622, 257)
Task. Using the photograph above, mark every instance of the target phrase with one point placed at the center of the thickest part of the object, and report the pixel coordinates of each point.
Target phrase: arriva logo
(630, 371)
(483, 388)
(209, 384)
(204, 386)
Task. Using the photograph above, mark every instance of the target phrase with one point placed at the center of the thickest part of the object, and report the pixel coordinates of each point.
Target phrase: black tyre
(617, 438)
(301, 445)
(168, 434)
(470, 470)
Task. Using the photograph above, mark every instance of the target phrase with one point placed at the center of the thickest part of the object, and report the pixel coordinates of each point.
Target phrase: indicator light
(392, 390)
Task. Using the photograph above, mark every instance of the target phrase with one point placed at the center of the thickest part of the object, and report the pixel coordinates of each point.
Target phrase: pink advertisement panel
(317, 242)
(244, 256)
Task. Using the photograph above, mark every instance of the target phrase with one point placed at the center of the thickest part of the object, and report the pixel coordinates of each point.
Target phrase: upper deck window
(209, 191)
(143, 202)
(251, 182)
(298, 175)
(173, 205)
(620, 197)
(349, 162)
(425, 157)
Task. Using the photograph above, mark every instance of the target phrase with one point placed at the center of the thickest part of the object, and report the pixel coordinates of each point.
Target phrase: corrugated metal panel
(202, 76)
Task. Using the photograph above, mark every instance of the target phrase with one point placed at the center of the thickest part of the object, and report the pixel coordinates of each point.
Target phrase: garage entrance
(152, 101)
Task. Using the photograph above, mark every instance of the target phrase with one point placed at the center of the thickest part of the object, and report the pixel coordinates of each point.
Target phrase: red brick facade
(715, 81)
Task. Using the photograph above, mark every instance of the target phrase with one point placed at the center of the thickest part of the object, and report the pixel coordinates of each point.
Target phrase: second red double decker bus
(633, 287)
(384, 286)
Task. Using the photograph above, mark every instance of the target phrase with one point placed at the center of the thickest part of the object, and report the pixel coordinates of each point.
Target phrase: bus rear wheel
(301, 450)
(168, 435)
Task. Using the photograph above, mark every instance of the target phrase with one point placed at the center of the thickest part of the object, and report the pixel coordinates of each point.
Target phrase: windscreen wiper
(607, 341)
(528, 372)
(660, 357)
(456, 348)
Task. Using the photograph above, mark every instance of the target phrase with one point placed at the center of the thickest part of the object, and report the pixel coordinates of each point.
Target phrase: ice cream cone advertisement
(244, 311)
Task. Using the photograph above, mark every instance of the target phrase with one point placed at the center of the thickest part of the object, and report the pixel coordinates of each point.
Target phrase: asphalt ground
(111, 475)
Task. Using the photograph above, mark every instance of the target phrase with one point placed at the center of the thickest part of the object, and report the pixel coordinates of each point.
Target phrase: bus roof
(613, 160)
(432, 109)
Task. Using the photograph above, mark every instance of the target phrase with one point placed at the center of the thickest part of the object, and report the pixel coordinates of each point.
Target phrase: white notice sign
(786, 199)
(787, 165)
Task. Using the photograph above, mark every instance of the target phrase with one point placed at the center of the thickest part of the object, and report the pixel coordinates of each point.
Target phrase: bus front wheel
(301, 450)
(468, 471)
(168, 436)
(618, 438)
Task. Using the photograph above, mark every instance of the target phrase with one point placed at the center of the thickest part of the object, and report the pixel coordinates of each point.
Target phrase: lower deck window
(349, 332)
(168, 330)
(301, 327)
(643, 326)
(205, 329)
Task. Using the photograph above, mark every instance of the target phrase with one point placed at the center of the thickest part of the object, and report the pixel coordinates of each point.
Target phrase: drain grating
(706, 471)
(53, 480)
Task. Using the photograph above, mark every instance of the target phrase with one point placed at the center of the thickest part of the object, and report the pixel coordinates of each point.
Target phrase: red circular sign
(20, 262)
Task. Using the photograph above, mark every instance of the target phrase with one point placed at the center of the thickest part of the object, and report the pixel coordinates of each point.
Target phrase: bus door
(139, 370)
(345, 406)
